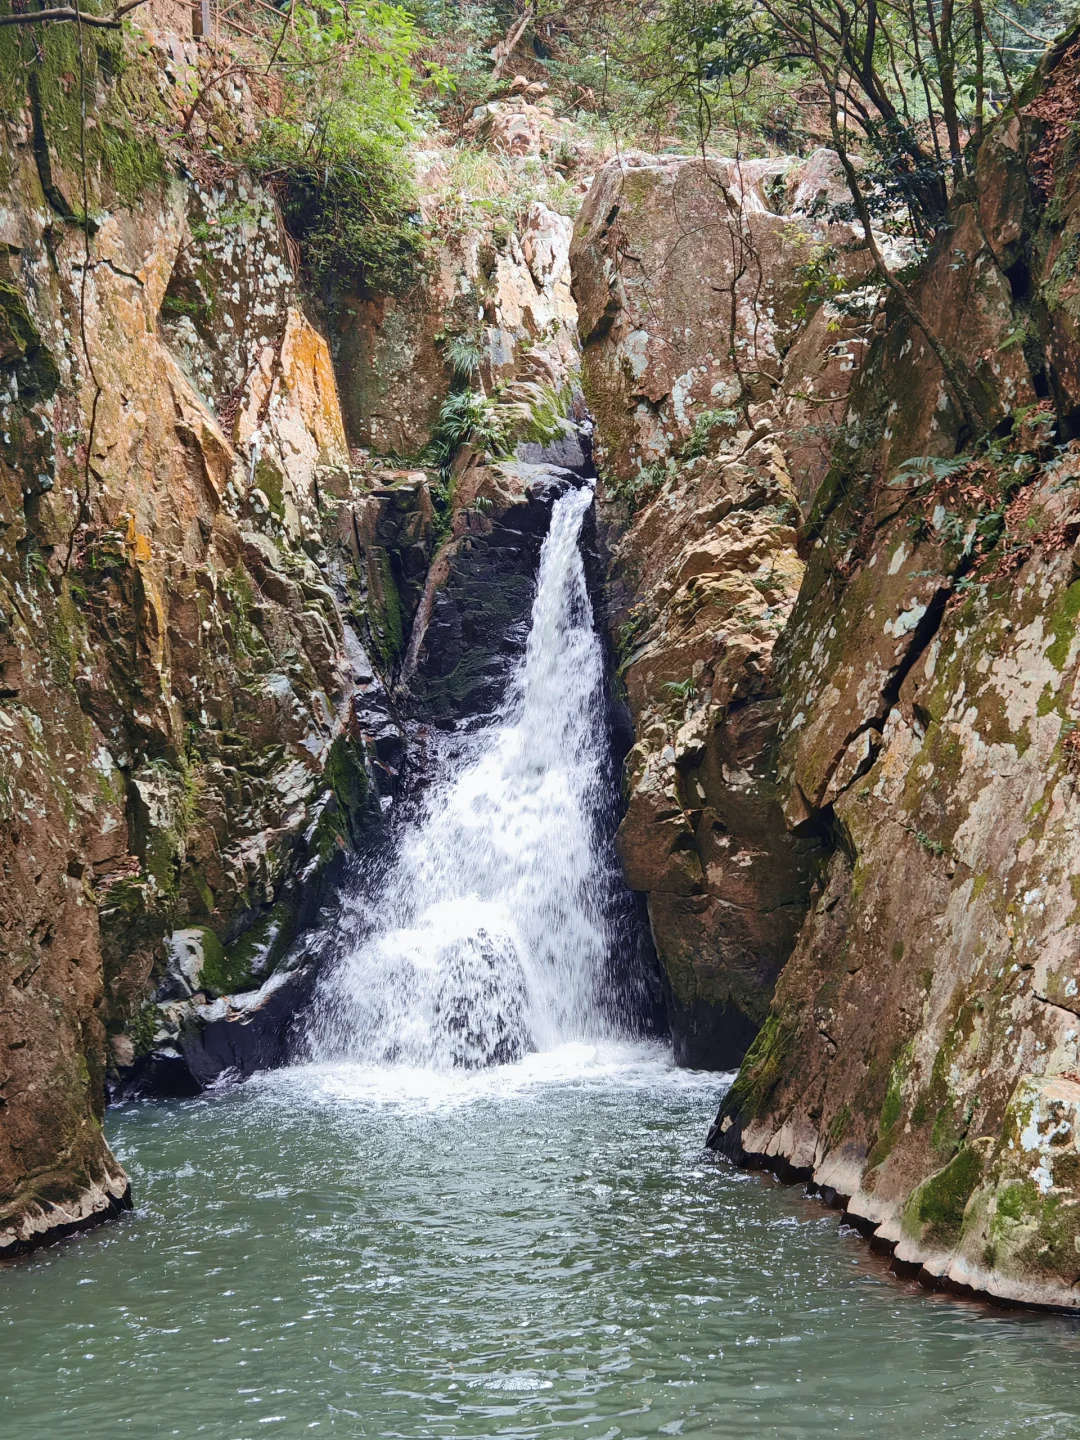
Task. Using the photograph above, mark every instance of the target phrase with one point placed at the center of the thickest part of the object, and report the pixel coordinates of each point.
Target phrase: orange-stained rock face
(206, 592)
(188, 722)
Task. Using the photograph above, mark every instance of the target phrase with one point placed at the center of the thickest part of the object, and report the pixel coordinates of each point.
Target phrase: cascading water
(490, 933)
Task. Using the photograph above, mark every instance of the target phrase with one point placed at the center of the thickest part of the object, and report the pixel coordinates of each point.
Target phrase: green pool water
(541, 1250)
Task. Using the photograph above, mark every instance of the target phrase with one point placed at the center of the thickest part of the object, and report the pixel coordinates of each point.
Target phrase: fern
(923, 469)
(704, 425)
(467, 417)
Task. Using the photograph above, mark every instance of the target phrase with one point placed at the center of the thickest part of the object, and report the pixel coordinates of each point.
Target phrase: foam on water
(606, 1064)
(489, 936)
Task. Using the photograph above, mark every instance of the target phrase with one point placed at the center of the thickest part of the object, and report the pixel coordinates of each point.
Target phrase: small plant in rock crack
(644, 485)
(467, 417)
(820, 280)
(630, 632)
(956, 531)
(981, 505)
(463, 354)
(923, 470)
(704, 425)
(680, 689)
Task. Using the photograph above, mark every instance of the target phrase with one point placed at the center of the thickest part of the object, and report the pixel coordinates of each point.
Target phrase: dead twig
(60, 13)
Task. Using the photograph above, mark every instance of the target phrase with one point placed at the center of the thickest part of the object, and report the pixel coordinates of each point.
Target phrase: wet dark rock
(473, 621)
(572, 451)
(234, 1036)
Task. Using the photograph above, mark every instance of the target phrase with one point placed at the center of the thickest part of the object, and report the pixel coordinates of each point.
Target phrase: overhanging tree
(908, 85)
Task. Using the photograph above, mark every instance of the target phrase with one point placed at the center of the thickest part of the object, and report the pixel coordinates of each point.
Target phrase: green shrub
(336, 157)
(351, 204)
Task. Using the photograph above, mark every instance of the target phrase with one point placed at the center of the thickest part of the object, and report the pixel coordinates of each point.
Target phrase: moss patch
(245, 964)
(760, 1072)
(346, 775)
(892, 1108)
(1062, 622)
(46, 68)
(935, 1211)
(386, 623)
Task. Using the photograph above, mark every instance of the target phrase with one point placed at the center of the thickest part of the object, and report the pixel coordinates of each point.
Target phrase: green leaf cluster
(336, 155)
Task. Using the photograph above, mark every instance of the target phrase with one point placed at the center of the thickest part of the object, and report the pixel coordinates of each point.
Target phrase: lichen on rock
(929, 674)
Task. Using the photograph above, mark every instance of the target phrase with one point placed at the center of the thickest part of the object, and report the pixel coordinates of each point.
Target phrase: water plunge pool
(542, 1249)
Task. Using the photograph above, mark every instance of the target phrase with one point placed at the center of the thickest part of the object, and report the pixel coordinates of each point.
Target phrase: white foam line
(606, 1065)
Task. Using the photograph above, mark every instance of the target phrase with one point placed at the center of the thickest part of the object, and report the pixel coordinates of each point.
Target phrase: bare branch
(71, 12)
(505, 47)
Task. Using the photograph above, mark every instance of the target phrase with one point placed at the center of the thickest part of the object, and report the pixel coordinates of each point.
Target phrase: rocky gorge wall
(717, 378)
(848, 641)
(234, 588)
(919, 1063)
(208, 584)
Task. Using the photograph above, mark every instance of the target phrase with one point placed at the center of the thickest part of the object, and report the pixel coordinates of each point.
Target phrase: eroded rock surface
(921, 1057)
(717, 377)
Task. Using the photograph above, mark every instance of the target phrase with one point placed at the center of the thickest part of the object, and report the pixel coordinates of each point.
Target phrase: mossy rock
(118, 81)
(246, 963)
(343, 820)
(935, 1212)
(386, 623)
(892, 1107)
(760, 1072)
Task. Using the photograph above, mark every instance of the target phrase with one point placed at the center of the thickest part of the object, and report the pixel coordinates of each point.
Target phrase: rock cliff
(208, 583)
(191, 728)
(920, 1060)
(847, 630)
(718, 377)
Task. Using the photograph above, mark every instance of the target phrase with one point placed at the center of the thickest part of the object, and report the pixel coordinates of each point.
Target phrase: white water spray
(489, 935)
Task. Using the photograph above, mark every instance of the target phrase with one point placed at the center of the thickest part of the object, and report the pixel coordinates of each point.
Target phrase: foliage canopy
(335, 154)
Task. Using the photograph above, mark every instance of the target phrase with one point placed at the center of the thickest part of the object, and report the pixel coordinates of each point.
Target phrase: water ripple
(541, 1251)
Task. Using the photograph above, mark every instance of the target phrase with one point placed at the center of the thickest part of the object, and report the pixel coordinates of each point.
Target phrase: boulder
(717, 376)
(693, 281)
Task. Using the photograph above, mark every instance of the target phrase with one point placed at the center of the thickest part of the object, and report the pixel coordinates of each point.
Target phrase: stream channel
(476, 1205)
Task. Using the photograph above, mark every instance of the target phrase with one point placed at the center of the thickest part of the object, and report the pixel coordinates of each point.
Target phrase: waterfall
(489, 934)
